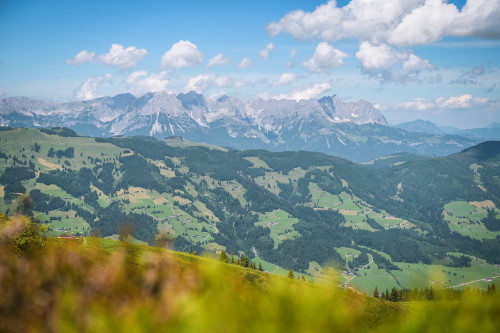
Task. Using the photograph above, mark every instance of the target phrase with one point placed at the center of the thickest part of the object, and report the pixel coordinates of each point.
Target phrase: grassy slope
(94, 284)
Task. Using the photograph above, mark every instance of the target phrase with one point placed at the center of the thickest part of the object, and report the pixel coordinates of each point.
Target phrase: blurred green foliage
(22, 234)
(99, 285)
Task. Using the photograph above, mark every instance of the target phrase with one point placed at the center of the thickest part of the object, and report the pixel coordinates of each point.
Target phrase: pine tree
(223, 256)
(375, 293)
(290, 275)
(260, 267)
(303, 278)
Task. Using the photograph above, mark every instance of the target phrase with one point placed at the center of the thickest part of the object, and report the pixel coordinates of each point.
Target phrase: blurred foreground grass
(98, 285)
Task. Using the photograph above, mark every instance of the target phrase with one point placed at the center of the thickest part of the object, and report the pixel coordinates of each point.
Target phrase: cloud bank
(117, 55)
(395, 22)
(89, 88)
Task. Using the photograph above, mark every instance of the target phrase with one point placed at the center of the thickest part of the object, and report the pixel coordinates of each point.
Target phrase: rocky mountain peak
(192, 99)
(161, 114)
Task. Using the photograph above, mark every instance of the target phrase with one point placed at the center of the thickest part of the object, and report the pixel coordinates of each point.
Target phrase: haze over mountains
(491, 132)
(354, 130)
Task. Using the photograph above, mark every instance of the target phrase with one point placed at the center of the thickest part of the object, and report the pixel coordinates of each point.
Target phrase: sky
(413, 59)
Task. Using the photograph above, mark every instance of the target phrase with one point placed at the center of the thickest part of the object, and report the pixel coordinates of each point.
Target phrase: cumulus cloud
(265, 52)
(307, 93)
(122, 57)
(478, 18)
(218, 60)
(245, 63)
(395, 22)
(140, 83)
(325, 58)
(117, 55)
(386, 63)
(377, 57)
(454, 102)
(424, 24)
(461, 102)
(181, 54)
(286, 79)
(88, 89)
(203, 82)
(419, 104)
(81, 58)
(413, 65)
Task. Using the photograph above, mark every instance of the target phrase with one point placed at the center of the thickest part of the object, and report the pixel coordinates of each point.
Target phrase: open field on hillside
(281, 225)
(465, 218)
(23, 141)
(479, 275)
(355, 210)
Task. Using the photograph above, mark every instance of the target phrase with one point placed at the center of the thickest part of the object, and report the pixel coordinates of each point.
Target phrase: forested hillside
(297, 210)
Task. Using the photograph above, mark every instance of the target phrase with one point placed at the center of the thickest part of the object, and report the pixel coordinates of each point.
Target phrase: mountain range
(492, 132)
(353, 130)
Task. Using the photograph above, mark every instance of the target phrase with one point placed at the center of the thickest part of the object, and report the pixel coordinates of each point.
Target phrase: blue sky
(427, 59)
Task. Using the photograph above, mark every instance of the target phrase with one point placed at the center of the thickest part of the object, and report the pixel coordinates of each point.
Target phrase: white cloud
(413, 65)
(203, 82)
(307, 93)
(325, 58)
(88, 89)
(122, 57)
(291, 61)
(117, 55)
(380, 107)
(245, 63)
(218, 60)
(396, 22)
(81, 58)
(461, 102)
(377, 57)
(454, 102)
(285, 79)
(140, 83)
(385, 63)
(419, 104)
(181, 54)
(240, 83)
(216, 95)
(478, 18)
(265, 52)
(424, 24)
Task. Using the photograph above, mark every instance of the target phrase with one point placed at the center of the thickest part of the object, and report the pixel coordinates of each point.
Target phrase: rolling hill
(297, 210)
